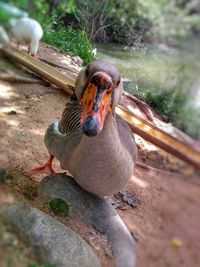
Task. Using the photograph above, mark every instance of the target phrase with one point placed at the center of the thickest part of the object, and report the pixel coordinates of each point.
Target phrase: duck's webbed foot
(46, 168)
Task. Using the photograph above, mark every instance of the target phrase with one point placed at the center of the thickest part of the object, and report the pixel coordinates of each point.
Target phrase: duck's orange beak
(96, 103)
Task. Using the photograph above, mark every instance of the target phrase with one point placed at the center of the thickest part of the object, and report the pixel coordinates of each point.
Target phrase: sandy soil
(169, 201)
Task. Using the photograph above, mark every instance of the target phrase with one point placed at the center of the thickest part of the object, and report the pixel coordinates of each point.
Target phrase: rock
(95, 211)
(77, 60)
(2, 176)
(52, 241)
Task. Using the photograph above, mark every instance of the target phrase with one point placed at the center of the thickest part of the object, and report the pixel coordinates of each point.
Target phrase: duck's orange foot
(46, 168)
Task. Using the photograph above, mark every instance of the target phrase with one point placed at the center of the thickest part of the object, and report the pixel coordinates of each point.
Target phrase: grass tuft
(67, 39)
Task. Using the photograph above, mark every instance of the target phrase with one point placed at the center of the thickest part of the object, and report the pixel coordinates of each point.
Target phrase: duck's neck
(101, 164)
(106, 141)
(106, 145)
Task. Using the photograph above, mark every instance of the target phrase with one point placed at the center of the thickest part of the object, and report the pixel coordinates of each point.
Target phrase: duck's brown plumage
(101, 164)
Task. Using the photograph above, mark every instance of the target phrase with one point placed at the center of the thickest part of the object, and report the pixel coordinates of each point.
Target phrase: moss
(59, 207)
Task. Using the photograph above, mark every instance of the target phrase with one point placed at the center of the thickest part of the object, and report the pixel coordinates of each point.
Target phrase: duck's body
(102, 164)
(4, 39)
(90, 141)
(28, 31)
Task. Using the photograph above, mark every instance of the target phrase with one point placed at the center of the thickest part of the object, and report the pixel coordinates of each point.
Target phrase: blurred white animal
(28, 31)
(94, 51)
(4, 39)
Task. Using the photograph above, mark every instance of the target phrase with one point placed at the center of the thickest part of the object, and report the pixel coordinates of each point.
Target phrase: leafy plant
(59, 206)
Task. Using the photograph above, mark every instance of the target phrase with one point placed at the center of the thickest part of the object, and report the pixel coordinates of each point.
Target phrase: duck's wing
(126, 137)
(63, 136)
(71, 118)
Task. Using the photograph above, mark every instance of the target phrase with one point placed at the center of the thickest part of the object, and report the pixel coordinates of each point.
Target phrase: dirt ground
(166, 224)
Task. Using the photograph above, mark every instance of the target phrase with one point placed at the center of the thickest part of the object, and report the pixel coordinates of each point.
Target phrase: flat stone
(52, 241)
(95, 211)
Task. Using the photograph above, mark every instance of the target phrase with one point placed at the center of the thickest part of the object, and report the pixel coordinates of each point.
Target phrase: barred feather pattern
(70, 121)
(61, 136)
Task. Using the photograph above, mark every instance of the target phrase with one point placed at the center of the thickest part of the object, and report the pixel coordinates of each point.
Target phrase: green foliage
(39, 265)
(22, 4)
(66, 7)
(67, 39)
(40, 12)
(8, 11)
(174, 104)
(168, 103)
(59, 207)
(9, 262)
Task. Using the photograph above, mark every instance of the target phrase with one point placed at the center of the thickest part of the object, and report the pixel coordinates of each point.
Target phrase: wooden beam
(45, 71)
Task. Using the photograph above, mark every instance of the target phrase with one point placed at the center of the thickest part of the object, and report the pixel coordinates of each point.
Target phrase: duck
(91, 141)
(4, 38)
(27, 31)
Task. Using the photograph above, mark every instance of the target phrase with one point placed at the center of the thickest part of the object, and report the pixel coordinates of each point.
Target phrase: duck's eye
(118, 82)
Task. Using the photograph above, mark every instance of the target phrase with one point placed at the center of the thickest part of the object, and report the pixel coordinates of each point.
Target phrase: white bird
(4, 39)
(28, 31)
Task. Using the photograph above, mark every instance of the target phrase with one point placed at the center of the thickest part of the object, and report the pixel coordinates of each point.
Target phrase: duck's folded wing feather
(71, 118)
(62, 136)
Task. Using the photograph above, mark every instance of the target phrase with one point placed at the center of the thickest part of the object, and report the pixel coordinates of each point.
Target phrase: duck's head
(98, 89)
